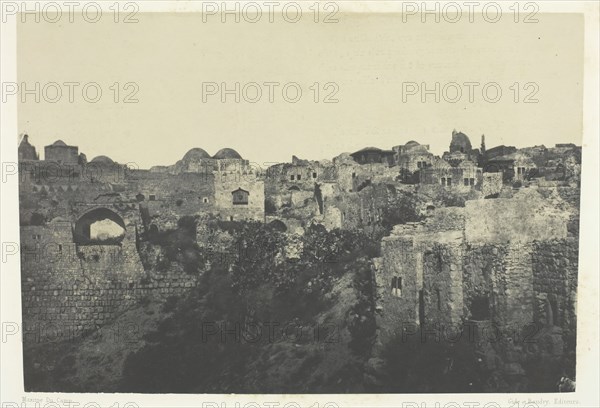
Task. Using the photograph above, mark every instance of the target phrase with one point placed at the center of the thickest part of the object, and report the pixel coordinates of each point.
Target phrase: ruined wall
(442, 282)
(397, 308)
(491, 184)
(555, 272)
(476, 264)
(525, 217)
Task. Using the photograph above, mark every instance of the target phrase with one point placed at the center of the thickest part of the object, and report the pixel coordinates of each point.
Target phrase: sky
(371, 61)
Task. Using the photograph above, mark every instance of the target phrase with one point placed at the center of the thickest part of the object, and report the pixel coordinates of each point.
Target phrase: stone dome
(227, 153)
(460, 143)
(195, 154)
(59, 143)
(102, 159)
(412, 143)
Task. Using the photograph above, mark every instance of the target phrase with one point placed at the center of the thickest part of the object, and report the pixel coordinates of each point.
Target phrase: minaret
(482, 159)
(482, 144)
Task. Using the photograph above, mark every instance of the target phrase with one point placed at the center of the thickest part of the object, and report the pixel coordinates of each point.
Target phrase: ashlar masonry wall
(69, 289)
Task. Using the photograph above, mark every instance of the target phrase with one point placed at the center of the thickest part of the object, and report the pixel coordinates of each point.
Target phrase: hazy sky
(369, 57)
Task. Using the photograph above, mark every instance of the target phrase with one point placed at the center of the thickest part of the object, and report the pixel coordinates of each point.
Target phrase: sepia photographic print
(289, 198)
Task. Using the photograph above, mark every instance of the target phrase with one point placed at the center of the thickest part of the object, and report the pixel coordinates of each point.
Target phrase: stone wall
(476, 264)
(254, 210)
(69, 289)
(525, 217)
(63, 154)
(491, 184)
(555, 272)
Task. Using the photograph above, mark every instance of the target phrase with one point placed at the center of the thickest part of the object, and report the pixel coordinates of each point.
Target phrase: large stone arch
(81, 230)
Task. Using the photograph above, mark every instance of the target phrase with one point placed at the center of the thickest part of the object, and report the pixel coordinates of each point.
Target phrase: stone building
(460, 150)
(239, 200)
(196, 160)
(60, 152)
(27, 150)
(514, 166)
(483, 263)
(464, 176)
(413, 156)
(371, 155)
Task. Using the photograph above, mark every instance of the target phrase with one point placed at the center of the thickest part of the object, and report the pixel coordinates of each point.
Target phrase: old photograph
(286, 198)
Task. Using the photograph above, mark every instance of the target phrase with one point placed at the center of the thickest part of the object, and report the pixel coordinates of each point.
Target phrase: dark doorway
(480, 307)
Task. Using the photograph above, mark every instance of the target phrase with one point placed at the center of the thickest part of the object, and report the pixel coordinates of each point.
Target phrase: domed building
(59, 143)
(461, 150)
(460, 143)
(229, 161)
(196, 160)
(195, 155)
(227, 153)
(412, 156)
(60, 152)
(102, 160)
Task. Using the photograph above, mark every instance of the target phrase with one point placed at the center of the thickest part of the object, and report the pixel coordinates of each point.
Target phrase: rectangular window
(299, 177)
(152, 197)
(240, 197)
(472, 181)
(443, 181)
(466, 181)
(419, 164)
(314, 175)
(448, 181)
(292, 177)
(397, 286)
